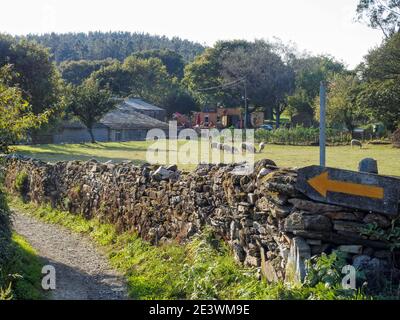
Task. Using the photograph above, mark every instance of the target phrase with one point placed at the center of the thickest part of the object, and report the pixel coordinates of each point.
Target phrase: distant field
(289, 156)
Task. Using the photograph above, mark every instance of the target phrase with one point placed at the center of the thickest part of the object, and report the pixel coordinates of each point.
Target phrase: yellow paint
(323, 184)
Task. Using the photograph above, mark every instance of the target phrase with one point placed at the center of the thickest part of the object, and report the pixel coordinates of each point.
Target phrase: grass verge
(22, 276)
(343, 157)
(200, 269)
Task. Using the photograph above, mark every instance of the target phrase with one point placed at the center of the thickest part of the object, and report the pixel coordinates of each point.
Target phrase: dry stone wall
(264, 219)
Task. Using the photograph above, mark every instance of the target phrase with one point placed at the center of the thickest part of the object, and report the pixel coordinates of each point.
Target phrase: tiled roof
(126, 118)
(139, 104)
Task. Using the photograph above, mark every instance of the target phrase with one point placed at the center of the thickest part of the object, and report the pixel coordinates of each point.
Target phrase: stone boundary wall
(264, 219)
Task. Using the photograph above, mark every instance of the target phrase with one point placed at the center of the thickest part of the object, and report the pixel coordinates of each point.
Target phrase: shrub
(301, 136)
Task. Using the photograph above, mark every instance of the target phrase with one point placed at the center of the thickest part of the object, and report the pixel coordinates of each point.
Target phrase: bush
(301, 136)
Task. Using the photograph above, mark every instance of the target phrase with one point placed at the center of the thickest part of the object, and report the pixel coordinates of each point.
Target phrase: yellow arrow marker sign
(323, 184)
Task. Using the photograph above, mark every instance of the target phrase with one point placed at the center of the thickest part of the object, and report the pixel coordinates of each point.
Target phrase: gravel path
(82, 270)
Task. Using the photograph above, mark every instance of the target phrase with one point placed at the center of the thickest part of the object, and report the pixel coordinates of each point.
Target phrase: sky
(317, 26)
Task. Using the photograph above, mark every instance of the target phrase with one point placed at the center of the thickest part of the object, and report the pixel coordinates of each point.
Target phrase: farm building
(124, 123)
(218, 118)
(225, 117)
(143, 107)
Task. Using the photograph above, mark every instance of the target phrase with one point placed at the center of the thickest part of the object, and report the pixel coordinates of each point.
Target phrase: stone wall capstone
(267, 223)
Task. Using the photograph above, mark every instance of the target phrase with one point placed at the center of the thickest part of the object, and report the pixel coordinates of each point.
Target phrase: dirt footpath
(82, 270)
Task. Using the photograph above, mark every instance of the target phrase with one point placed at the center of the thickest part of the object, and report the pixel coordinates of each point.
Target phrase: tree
(144, 78)
(380, 14)
(299, 104)
(37, 75)
(205, 72)
(310, 71)
(267, 78)
(382, 99)
(113, 45)
(16, 118)
(381, 91)
(89, 103)
(342, 107)
(76, 72)
(149, 79)
(179, 100)
(114, 78)
(173, 61)
(383, 63)
(37, 78)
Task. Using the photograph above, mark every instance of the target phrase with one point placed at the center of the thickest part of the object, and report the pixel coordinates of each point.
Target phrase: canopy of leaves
(380, 14)
(89, 103)
(381, 91)
(114, 45)
(16, 118)
(309, 72)
(37, 75)
(382, 99)
(173, 61)
(383, 63)
(144, 78)
(268, 78)
(76, 72)
(342, 107)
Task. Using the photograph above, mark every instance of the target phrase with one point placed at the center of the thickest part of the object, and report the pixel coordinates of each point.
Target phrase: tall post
(322, 125)
(245, 105)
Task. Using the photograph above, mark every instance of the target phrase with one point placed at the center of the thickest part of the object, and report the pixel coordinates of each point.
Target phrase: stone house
(129, 121)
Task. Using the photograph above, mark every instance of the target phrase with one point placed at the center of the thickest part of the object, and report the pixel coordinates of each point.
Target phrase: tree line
(42, 84)
(114, 45)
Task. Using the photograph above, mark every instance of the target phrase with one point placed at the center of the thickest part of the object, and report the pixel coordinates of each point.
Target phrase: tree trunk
(278, 118)
(91, 135)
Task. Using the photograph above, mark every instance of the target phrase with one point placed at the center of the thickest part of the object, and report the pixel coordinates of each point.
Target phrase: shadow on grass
(26, 267)
(65, 148)
(71, 156)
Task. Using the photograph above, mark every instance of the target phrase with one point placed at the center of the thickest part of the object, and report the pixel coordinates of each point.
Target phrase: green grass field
(343, 157)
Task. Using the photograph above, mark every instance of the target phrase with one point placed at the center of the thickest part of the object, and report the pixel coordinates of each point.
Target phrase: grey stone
(263, 172)
(303, 221)
(361, 262)
(251, 198)
(382, 254)
(348, 226)
(368, 165)
(162, 173)
(379, 219)
(238, 252)
(314, 242)
(313, 207)
(269, 272)
(300, 251)
(351, 249)
(252, 261)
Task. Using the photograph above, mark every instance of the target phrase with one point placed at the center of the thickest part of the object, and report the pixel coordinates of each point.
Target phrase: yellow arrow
(322, 184)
